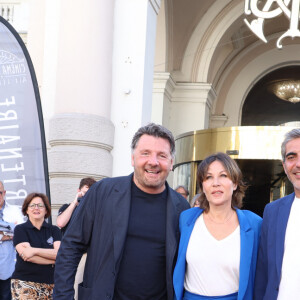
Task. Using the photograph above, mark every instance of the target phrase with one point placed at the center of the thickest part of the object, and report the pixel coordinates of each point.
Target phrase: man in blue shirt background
(7, 250)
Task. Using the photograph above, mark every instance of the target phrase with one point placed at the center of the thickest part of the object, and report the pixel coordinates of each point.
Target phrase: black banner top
(23, 158)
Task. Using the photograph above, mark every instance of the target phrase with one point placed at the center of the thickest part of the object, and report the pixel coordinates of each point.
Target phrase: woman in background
(37, 243)
(218, 245)
(196, 201)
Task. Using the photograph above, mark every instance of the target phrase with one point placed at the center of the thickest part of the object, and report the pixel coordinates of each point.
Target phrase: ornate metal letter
(283, 6)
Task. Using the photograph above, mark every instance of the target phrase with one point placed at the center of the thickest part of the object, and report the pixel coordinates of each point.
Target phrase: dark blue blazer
(270, 255)
(250, 224)
(99, 227)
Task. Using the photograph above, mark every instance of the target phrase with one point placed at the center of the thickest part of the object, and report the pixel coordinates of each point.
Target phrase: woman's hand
(40, 256)
(21, 248)
(27, 253)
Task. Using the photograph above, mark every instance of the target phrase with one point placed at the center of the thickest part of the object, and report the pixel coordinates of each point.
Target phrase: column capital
(217, 121)
(163, 83)
(194, 92)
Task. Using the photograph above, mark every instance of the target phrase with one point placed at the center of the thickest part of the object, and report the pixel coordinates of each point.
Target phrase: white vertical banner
(23, 158)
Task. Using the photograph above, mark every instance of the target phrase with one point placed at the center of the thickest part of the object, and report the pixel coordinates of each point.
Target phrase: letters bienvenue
(11, 157)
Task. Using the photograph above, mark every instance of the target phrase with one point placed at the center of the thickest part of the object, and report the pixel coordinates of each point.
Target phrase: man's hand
(80, 194)
(6, 237)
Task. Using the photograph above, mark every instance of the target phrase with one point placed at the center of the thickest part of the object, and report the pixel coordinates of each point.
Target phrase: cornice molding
(97, 177)
(66, 142)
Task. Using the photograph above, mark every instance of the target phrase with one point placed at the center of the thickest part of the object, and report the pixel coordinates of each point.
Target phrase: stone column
(133, 63)
(80, 147)
(80, 131)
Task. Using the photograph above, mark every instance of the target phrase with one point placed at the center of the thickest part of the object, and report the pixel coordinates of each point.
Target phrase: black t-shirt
(142, 273)
(43, 238)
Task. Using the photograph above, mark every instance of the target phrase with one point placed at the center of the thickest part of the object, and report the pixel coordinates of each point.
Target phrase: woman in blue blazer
(219, 242)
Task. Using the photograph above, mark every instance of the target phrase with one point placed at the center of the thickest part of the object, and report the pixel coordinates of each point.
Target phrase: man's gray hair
(182, 187)
(289, 136)
(156, 131)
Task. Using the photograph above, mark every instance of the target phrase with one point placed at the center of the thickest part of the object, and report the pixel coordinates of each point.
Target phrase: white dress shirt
(289, 287)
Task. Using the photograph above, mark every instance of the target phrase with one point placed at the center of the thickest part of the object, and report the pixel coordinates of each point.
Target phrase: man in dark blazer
(129, 228)
(277, 272)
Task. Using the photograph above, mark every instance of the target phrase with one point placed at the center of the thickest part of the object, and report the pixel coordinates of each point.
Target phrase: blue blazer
(250, 224)
(270, 255)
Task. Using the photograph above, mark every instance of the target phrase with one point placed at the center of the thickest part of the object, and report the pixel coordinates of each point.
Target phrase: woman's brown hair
(31, 196)
(232, 170)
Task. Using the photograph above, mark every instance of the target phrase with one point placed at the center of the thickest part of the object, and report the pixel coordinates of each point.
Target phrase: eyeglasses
(39, 206)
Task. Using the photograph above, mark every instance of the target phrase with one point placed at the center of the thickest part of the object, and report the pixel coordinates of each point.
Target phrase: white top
(212, 266)
(289, 287)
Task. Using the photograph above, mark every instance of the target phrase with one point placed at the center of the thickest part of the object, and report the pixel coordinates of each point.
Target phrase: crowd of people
(135, 238)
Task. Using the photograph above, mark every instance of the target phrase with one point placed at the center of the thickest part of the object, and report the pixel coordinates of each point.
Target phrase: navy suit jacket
(99, 227)
(268, 272)
(250, 224)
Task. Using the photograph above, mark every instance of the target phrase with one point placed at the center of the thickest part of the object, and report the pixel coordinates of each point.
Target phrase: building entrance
(255, 149)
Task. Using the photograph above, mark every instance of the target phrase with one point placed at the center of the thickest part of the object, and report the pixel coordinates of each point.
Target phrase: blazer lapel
(247, 242)
(172, 230)
(281, 224)
(186, 234)
(121, 198)
(186, 231)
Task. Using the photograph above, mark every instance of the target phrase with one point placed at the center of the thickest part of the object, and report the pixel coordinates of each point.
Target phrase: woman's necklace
(224, 222)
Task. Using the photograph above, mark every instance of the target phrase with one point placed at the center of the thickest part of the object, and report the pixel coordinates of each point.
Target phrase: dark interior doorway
(263, 178)
(263, 108)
